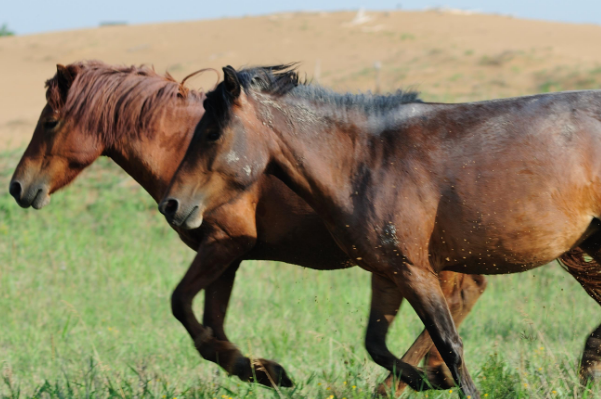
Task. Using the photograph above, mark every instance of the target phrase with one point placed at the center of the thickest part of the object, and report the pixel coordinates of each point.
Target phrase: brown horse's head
(94, 109)
(56, 153)
(228, 152)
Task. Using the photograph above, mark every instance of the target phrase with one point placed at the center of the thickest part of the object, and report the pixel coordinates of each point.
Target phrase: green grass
(84, 304)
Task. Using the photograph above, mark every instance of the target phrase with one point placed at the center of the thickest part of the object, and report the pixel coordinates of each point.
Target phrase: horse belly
(510, 238)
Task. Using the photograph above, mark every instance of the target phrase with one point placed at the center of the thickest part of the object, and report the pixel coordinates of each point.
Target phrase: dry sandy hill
(445, 55)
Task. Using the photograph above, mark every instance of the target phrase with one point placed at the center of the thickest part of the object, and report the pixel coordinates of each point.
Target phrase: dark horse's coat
(410, 189)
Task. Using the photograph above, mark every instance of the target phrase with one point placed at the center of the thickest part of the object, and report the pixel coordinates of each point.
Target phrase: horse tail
(586, 270)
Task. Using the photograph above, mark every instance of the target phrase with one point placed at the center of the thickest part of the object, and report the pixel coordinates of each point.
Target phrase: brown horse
(145, 122)
(410, 189)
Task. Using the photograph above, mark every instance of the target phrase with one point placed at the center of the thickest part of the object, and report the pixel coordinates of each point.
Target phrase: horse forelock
(109, 101)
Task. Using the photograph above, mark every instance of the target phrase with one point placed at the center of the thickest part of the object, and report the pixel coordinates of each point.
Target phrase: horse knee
(456, 353)
(178, 304)
(451, 351)
(378, 351)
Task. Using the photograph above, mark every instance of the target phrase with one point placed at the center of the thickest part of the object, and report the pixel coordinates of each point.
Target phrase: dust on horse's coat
(490, 187)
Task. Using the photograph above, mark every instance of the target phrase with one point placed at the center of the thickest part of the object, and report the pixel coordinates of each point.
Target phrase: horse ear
(231, 82)
(65, 76)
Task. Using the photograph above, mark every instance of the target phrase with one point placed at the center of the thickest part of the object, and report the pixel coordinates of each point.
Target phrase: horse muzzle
(187, 217)
(35, 195)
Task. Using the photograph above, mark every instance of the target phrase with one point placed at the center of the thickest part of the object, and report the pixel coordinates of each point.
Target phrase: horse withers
(409, 189)
(144, 122)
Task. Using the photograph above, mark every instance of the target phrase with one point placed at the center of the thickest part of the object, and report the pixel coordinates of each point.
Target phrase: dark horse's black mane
(281, 80)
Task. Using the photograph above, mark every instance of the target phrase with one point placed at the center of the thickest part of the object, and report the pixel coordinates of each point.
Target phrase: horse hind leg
(588, 273)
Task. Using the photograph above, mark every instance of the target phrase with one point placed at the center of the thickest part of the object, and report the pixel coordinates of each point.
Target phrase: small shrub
(4, 31)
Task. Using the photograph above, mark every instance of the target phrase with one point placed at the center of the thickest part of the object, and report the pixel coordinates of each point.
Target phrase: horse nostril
(169, 207)
(15, 190)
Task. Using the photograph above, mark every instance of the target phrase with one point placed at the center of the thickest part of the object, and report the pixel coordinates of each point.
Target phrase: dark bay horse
(144, 122)
(411, 189)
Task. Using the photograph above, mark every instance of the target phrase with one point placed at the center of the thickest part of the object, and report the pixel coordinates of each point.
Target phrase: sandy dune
(448, 57)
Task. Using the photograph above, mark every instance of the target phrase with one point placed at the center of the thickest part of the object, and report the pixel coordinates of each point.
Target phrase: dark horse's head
(236, 140)
(88, 106)
(228, 152)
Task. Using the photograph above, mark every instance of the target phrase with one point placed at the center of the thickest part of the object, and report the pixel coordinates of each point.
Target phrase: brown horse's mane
(109, 101)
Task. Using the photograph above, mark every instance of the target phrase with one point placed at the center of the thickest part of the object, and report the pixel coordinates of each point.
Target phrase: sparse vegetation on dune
(447, 57)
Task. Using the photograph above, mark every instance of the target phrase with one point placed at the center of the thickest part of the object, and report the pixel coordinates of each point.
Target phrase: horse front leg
(217, 299)
(386, 300)
(213, 268)
(422, 289)
(461, 292)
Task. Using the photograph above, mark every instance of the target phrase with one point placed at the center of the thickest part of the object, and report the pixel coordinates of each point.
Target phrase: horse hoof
(382, 391)
(270, 373)
(440, 377)
(385, 389)
(590, 375)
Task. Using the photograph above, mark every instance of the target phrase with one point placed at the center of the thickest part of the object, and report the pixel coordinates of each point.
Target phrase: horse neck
(317, 159)
(151, 158)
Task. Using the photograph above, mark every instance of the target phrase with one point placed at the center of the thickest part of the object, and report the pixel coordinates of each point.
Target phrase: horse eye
(51, 124)
(212, 136)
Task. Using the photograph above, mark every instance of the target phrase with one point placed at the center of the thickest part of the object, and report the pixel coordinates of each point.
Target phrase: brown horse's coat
(144, 122)
(408, 189)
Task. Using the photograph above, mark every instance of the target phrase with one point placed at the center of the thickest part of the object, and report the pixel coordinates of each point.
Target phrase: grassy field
(85, 283)
(84, 305)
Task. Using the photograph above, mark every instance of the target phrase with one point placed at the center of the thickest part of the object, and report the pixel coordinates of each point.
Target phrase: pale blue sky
(32, 16)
